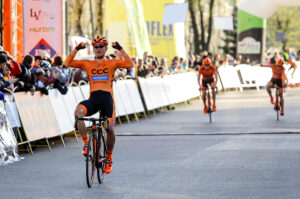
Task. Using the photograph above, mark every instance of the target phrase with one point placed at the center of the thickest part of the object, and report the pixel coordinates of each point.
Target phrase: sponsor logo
(42, 45)
(155, 28)
(99, 77)
(99, 71)
(249, 46)
(37, 14)
(42, 29)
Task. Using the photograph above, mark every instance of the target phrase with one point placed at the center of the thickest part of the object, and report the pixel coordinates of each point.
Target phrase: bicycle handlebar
(93, 119)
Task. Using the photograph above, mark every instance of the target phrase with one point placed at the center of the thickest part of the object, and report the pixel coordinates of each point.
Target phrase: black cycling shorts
(277, 82)
(99, 101)
(205, 83)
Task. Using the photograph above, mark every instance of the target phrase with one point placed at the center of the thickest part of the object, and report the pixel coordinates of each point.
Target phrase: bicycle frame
(97, 156)
(209, 105)
(277, 102)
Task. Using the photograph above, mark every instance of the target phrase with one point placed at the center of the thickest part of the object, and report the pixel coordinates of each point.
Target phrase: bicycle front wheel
(101, 154)
(90, 160)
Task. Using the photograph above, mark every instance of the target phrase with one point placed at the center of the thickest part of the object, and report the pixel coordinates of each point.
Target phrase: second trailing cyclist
(278, 78)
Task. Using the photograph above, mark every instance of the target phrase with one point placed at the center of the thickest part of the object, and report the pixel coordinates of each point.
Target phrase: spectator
(79, 75)
(15, 67)
(239, 60)
(197, 62)
(37, 59)
(247, 60)
(163, 67)
(133, 71)
(37, 79)
(60, 79)
(24, 77)
(6, 81)
(184, 64)
(191, 61)
(216, 61)
(142, 69)
(174, 66)
(145, 59)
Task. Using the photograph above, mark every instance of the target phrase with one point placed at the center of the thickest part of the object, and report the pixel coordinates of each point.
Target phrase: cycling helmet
(206, 61)
(280, 62)
(100, 39)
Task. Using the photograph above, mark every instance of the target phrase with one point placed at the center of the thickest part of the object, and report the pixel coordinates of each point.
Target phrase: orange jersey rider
(209, 76)
(101, 75)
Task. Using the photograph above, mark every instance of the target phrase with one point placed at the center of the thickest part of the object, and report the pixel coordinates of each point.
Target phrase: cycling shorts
(99, 101)
(277, 82)
(205, 83)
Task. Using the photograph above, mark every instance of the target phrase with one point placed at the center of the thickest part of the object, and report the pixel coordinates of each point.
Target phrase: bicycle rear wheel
(277, 105)
(101, 155)
(209, 106)
(90, 160)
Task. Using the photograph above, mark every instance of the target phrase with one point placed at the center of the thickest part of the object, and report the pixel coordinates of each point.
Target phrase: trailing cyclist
(209, 76)
(101, 74)
(278, 78)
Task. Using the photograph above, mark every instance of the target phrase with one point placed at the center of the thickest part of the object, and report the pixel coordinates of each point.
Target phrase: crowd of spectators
(38, 73)
(41, 73)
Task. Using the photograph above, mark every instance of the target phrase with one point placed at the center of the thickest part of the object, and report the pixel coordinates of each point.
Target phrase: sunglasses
(99, 46)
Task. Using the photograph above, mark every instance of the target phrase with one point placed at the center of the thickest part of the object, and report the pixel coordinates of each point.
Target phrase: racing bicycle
(96, 150)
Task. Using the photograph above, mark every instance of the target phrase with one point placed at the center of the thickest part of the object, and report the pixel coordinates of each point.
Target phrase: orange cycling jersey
(101, 74)
(207, 74)
(278, 72)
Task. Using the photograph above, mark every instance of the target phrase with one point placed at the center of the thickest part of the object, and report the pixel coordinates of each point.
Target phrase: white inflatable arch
(265, 8)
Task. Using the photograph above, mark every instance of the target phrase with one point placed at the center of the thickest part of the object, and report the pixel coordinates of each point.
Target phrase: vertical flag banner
(43, 33)
(137, 26)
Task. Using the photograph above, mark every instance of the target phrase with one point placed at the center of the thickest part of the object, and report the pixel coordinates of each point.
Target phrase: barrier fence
(50, 116)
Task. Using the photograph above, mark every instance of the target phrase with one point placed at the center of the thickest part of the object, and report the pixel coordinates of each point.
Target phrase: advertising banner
(37, 115)
(251, 36)
(43, 33)
(165, 40)
(8, 143)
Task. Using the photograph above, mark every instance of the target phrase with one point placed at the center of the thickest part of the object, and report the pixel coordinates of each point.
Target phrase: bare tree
(75, 13)
(202, 39)
(100, 15)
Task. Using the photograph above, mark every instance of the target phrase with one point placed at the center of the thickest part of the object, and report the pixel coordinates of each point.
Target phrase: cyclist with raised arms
(278, 78)
(209, 75)
(101, 74)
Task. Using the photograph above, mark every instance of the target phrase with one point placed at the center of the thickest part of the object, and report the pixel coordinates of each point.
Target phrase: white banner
(175, 13)
(11, 110)
(8, 143)
(43, 27)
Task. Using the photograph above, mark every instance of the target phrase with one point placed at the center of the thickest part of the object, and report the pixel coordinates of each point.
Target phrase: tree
(202, 39)
(285, 20)
(100, 14)
(75, 10)
(230, 39)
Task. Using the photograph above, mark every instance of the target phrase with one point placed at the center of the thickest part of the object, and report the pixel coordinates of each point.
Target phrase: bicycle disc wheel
(209, 116)
(101, 154)
(90, 161)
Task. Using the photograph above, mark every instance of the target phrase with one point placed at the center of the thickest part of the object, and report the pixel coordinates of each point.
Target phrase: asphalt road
(244, 154)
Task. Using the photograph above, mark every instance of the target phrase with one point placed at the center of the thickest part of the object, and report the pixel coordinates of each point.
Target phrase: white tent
(265, 8)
